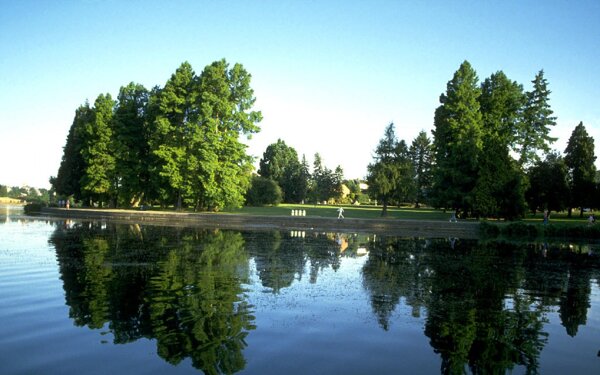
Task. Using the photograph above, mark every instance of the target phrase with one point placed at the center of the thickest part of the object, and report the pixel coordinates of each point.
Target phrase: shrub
(263, 191)
(33, 208)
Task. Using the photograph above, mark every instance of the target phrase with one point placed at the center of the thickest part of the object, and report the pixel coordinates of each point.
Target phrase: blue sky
(328, 76)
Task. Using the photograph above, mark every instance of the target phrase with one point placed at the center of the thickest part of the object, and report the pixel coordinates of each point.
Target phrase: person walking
(340, 213)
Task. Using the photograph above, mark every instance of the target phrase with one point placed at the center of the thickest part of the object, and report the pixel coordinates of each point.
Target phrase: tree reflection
(486, 303)
(182, 287)
(282, 258)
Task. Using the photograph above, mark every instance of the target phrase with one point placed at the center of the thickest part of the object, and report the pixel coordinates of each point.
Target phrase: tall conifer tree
(98, 181)
(534, 132)
(458, 141)
(580, 158)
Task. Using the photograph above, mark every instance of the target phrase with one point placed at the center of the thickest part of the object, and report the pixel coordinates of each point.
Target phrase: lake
(100, 297)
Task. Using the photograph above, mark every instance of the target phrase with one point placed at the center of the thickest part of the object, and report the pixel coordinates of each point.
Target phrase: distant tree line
(173, 145)
(490, 155)
(26, 193)
(283, 177)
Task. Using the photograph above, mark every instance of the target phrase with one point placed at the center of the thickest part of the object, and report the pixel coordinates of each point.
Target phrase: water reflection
(485, 305)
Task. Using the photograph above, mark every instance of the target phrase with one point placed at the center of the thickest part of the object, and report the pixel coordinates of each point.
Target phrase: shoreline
(410, 228)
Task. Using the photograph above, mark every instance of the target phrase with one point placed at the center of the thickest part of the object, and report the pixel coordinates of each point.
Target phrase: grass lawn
(559, 218)
(350, 211)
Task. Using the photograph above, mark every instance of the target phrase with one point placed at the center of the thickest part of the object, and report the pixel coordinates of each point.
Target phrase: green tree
(224, 165)
(580, 158)
(548, 186)
(501, 105)
(177, 117)
(458, 142)
(280, 163)
(384, 173)
(132, 144)
(98, 180)
(500, 187)
(326, 184)
(405, 186)
(72, 165)
(421, 153)
(263, 191)
(533, 134)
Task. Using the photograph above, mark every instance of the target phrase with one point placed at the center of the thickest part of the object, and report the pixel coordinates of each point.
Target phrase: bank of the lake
(411, 228)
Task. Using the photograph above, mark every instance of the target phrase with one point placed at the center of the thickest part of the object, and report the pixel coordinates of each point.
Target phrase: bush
(263, 191)
(33, 208)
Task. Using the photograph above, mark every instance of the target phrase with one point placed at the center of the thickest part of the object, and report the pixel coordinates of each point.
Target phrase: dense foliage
(179, 144)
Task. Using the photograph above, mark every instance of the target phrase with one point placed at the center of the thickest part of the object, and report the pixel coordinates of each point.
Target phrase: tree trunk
(384, 210)
(178, 206)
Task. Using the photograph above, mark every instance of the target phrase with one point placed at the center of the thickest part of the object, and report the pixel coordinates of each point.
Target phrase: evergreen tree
(179, 144)
(534, 131)
(325, 184)
(224, 168)
(501, 104)
(580, 158)
(98, 182)
(132, 144)
(421, 153)
(500, 190)
(384, 173)
(548, 186)
(176, 120)
(457, 142)
(72, 166)
(280, 163)
(405, 186)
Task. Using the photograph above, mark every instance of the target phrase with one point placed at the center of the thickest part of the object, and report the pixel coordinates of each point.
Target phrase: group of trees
(485, 159)
(490, 155)
(400, 174)
(179, 144)
(283, 177)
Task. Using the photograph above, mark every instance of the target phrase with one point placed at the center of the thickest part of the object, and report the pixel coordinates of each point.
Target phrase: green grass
(350, 211)
(559, 218)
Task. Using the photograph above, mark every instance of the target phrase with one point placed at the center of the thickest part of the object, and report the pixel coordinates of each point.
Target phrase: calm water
(95, 297)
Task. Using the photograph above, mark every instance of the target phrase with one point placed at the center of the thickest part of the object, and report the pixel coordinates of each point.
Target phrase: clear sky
(328, 76)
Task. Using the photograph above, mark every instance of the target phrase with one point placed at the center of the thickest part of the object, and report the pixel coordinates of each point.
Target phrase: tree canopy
(179, 144)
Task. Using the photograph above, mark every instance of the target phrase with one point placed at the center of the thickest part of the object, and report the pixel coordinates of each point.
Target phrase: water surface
(99, 297)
